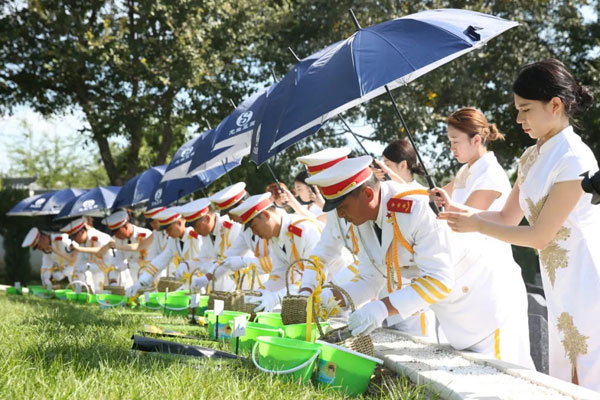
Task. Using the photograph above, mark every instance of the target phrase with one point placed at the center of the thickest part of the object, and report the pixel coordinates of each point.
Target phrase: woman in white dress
(563, 224)
(399, 162)
(307, 195)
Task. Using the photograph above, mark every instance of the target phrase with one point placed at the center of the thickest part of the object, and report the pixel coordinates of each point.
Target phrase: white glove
(370, 316)
(267, 301)
(234, 263)
(198, 283)
(183, 268)
(144, 281)
(133, 289)
(59, 275)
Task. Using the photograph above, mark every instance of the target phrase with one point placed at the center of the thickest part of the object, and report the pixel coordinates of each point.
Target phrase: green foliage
(13, 231)
(51, 349)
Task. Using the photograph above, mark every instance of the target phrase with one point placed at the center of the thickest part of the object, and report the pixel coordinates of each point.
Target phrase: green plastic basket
(254, 330)
(154, 301)
(224, 319)
(289, 359)
(269, 318)
(344, 369)
(106, 300)
(40, 291)
(61, 294)
(298, 331)
(175, 305)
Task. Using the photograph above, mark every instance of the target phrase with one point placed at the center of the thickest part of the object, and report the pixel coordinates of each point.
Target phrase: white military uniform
(128, 263)
(297, 238)
(570, 264)
(479, 307)
(253, 249)
(95, 265)
(334, 253)
(54, 266)
(184, 249)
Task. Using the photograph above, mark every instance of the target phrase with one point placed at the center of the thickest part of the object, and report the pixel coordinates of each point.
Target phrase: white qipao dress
(487, 174)
(570, 264)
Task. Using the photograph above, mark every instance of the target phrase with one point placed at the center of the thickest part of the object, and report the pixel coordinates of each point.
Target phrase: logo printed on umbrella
(186, 153)
(88, 205)
(244, 122)
(158, 194)
(244, 118)
(38, 203)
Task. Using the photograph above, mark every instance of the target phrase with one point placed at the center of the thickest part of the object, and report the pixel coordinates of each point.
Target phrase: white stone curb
(461, 375)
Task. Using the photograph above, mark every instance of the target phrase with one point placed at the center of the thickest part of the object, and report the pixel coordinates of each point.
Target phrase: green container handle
(284, 372)
(103, 304)
(164, 305)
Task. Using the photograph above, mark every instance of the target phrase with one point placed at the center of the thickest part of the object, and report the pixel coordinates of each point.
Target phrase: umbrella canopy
(374, 59)
(58, 200)
(95, 202)
(230, 140)
(170, 191)
(180, 163)
(139, 188)
(28, 206)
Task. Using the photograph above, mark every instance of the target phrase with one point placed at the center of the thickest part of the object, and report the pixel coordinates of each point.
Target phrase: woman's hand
(443, 201)
(384, 169)
(461, 220)
(317, 197)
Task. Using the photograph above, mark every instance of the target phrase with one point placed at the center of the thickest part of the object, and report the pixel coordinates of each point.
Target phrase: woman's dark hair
(401, 150)
(301, 177)
(546, 79)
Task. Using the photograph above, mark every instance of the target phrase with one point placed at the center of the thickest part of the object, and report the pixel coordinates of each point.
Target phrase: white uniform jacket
(470, 297)
(53, 264)
(215, 245)
(92, 262)
(185, 249)
(336, 250)
(123, 259)
(297, 238)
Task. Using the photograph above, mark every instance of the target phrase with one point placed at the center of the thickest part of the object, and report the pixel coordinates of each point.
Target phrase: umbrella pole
(226, 172)
(412, 141)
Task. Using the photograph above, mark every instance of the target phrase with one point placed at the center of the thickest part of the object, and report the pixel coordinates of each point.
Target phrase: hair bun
(494, 133)
(585, 98)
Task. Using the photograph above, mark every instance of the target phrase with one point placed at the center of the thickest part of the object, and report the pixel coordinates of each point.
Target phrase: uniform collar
(554, 140)
(383, 195)
(286, 220)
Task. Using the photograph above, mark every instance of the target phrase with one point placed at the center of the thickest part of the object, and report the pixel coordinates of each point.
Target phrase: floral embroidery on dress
(552, 256)
(528, 158)
(573, 342)
(460, 180)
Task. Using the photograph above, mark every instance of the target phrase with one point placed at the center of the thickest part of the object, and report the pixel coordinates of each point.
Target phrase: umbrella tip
(356, 24)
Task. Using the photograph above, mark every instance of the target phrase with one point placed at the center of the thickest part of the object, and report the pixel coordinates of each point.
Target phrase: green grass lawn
(52, 349)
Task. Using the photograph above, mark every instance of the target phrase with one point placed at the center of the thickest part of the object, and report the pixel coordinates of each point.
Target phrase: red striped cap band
(313, 169)
(341, 188)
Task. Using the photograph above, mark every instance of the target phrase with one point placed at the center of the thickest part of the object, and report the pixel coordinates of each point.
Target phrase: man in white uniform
(402, 237)
(216, 231)
(92, 250)
(291, 237)
(127, 263)
(183, 246)
(58, 258)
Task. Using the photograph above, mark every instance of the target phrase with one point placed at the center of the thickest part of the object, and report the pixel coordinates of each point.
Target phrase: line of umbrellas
(318, 88)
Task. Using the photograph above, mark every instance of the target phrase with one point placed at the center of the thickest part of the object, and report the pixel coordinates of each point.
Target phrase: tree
(143, 70)
(57, 161)
(13, 231)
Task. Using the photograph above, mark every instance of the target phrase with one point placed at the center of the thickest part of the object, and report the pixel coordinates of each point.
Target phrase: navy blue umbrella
(58, 200)
(138, 189)
(170, 191)
(28, 206)
(180, 163)
(95, 202)
(230, 140)
(371, 62)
